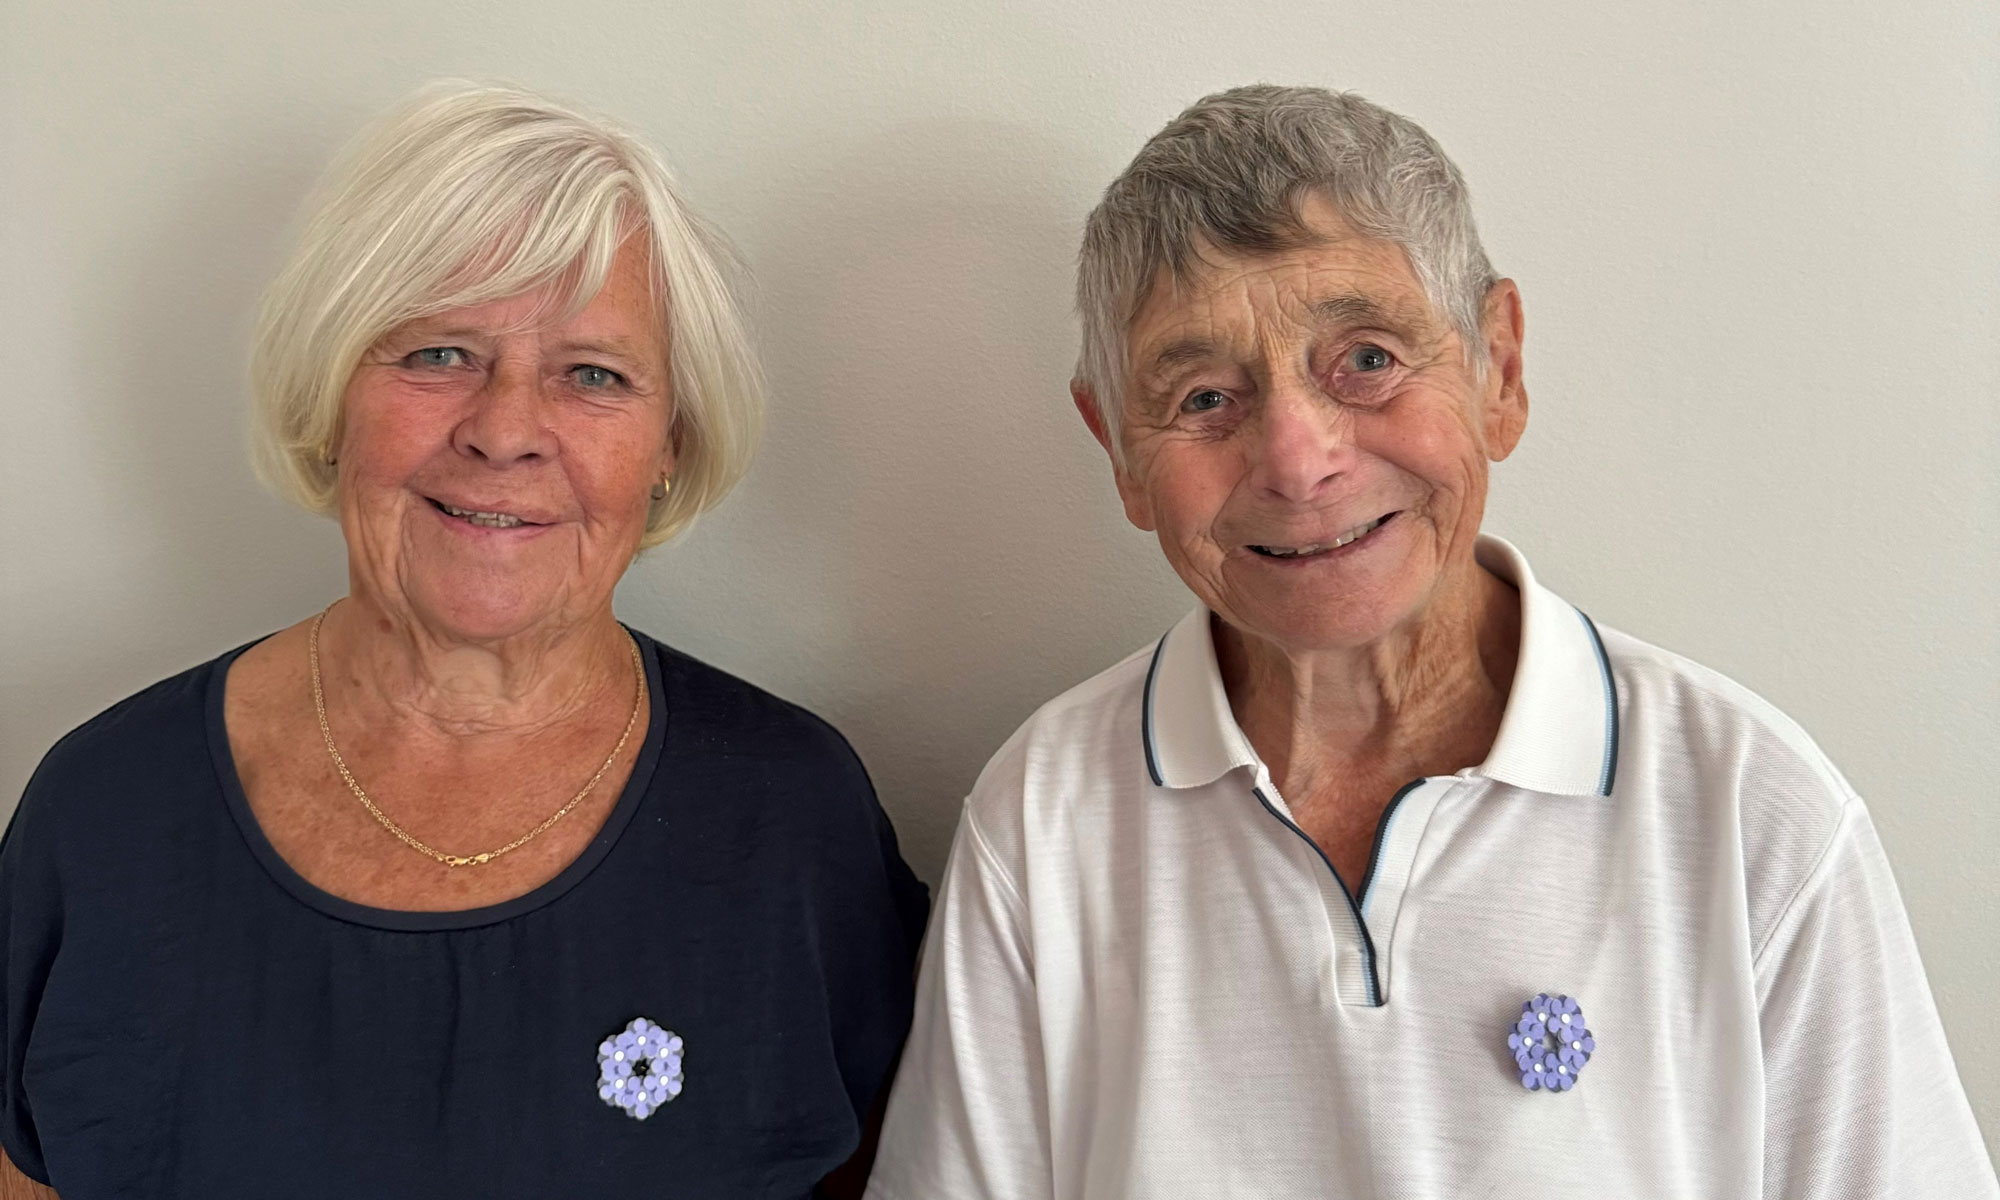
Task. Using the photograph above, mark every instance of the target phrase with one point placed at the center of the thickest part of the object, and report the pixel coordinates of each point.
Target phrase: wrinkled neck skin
(1426, 699)
(390, 665)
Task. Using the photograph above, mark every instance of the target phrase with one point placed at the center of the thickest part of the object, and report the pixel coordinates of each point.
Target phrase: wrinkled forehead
(1225, 298)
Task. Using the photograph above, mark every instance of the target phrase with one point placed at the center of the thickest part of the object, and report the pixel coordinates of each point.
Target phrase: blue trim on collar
(1146, 717)
(1555, 709)
(1610, 772)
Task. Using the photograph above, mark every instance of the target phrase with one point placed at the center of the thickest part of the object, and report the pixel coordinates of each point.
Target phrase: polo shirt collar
(1559, 733)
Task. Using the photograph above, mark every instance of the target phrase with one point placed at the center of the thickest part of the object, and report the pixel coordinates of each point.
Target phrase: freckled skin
(511, 423)
(1283, 400)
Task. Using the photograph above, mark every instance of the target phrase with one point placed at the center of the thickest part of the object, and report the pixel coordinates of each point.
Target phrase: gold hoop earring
(661, 488)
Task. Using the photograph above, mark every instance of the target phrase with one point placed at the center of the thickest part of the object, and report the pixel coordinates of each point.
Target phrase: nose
(1302, 444)
(505, 423)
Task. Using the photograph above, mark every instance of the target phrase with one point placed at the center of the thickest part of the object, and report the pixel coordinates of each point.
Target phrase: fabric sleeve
(30, 933)
(968, 1117)
(871, 915)
(1861, 1098)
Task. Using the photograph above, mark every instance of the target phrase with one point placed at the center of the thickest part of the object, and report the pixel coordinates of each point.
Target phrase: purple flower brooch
(639, 1069)
(1550, 1043)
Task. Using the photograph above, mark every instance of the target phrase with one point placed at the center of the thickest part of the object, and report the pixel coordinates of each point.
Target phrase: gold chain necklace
(403, 835)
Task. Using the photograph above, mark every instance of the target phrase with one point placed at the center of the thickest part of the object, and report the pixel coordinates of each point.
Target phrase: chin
(1305, 618)
(482, 610)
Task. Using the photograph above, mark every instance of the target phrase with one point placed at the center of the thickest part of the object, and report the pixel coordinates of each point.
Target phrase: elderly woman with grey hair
(1386, 872)
(460, 887)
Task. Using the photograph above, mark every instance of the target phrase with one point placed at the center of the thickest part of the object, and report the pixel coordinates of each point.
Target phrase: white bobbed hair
(465, 194)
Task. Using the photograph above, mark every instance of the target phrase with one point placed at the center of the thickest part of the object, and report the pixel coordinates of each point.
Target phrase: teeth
(1356, 532)
(491, 520)
(1319, 547)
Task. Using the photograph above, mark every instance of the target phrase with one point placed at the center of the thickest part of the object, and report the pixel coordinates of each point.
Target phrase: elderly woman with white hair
(460, 887)
(1386, 872)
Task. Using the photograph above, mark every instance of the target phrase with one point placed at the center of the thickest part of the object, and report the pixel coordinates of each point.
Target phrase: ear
(670, 447)
(1138, 509)
(1505, 402)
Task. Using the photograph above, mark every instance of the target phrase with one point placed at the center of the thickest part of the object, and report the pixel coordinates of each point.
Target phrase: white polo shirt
(1142, 980)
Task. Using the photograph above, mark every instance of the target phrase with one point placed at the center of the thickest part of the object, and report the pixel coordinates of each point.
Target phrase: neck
(1423, 700)
(384, 659)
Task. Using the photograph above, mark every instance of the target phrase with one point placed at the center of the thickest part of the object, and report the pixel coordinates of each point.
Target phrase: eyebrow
(1178, 353)
(1348, 308)
(1353, 308)
(617, 347)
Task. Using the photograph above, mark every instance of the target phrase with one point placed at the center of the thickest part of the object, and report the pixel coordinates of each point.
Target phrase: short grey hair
(464, 194)
(1233, 171)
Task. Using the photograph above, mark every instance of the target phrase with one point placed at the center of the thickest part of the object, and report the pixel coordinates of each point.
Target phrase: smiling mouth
(1314, 549)
(485, 520)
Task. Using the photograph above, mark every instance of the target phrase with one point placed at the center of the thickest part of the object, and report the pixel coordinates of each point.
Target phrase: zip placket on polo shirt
(1209, 744)
(1370, 907)
(1356, 975)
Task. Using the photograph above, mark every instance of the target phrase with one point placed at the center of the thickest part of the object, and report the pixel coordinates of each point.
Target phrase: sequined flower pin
(1550, 1043)
(639, 1069)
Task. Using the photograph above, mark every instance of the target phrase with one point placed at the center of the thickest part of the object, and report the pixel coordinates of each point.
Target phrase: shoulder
(774, 782)
(771, 770)
(1086, 742)
(106, 773)
(1721, 753)
(736, 722)
(1725, 729)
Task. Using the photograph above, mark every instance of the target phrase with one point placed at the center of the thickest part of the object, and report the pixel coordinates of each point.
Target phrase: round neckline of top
(409, 921)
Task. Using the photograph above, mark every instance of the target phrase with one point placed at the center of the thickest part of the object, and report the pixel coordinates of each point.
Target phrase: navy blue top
(184, 1015)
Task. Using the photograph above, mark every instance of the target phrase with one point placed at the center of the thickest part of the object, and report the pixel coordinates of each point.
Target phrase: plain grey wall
(1758, 250)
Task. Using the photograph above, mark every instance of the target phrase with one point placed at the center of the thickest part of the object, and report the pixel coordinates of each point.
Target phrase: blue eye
(436, 356)
(1205, 400)
(1367, 357)
(596, 378)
